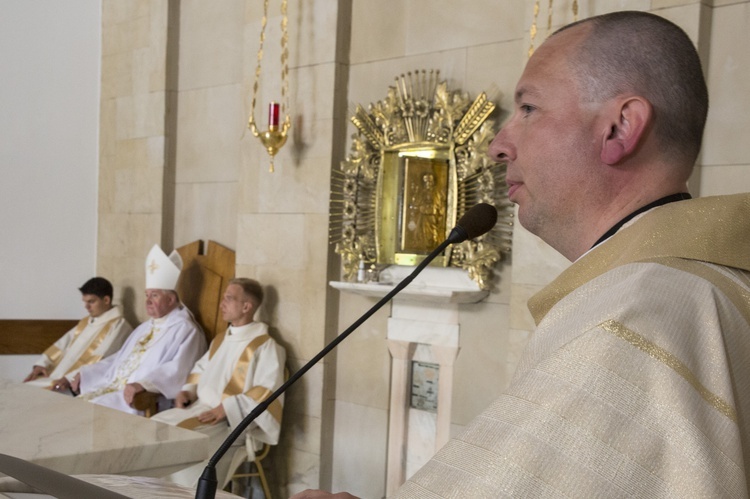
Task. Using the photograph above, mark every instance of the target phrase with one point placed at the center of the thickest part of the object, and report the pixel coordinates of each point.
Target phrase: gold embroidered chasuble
(637, 380)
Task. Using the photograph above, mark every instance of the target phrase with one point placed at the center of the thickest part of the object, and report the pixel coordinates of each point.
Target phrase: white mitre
(162, 271)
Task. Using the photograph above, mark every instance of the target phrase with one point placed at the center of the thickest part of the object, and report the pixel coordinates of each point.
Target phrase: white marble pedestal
(423, 327)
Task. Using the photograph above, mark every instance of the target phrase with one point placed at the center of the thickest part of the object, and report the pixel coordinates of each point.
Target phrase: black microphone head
(480, 219)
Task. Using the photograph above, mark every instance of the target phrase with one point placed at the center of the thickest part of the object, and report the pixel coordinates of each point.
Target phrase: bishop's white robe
(92, 339)
(158, 354)
(636, 382)
(242, 368)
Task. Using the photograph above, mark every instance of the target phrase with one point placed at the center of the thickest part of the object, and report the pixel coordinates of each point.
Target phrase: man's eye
(526, 108)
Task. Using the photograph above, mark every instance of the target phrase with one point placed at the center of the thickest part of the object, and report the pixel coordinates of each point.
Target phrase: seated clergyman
(96, 336)
(159, 354)
(242, 367)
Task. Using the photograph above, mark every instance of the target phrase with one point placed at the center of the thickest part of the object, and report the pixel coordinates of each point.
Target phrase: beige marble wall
(475, 49)
(282, 226)
(132, 142)
(219, 188)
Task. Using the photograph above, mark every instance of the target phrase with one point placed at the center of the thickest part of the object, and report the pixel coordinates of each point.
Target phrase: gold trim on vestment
(237, 382)
(54, 354)
(671, 361)
(662, 232)
(190, 423)
(88, 356)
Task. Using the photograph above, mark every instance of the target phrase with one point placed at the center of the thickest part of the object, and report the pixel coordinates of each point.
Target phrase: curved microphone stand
(477, 221)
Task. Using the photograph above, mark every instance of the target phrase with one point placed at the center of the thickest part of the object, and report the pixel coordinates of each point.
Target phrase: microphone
(480, 219)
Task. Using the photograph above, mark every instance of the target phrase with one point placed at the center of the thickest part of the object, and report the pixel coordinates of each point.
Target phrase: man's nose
(500, 149)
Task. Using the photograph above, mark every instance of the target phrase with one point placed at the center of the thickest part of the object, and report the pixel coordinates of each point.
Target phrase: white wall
(49, 100)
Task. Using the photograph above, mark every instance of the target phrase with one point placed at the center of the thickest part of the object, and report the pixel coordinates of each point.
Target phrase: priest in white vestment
(242, 367)
(636, 381)
(158, 355)
(96, 336)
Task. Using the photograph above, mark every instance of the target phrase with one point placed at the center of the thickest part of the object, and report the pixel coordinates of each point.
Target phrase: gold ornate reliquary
(418, 162)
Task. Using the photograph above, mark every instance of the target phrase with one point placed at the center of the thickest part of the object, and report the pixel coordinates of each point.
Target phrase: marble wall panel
(293, 187)
(312, 32)
(138, 190)
(146, 152)
(106, 197)
(369, 82)
(363, 361)
(307, 93)
(132, 33)
(292, 261)
(725, 179)
(663, 4)
(126, 234)
(495, 69)
(688, 17)
(211, 49)
(312, 28)
(479, 375)
(206, 211)
(520, 317)
(360, 450)
(725, 138)
(534, 261)
(149, 71)
(501, 284)
(305, 398)
(436, 26)
(589, 9)
(300, 183)
(129, 285)
(117, 75)
(724, 3)
(300, 431)
(107, 126)
(210, 126)
(304, 471)
(114, 11)
(385, 22)
(140, 115)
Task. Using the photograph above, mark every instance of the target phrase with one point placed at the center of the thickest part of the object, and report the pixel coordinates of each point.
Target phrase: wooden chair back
(206, 271)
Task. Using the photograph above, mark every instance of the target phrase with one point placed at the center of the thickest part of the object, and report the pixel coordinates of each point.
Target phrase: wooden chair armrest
(148, 402)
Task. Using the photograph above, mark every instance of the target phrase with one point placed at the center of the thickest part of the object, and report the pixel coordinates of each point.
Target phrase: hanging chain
(549, 18)
(284, 67)
(532, 29)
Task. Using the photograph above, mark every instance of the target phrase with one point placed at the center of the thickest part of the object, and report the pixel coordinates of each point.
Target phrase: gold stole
(237, 381)
(88, 356)
(54, 354)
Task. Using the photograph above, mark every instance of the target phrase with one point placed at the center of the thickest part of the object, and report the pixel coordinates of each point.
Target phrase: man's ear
(107, 300)
(631, 117)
